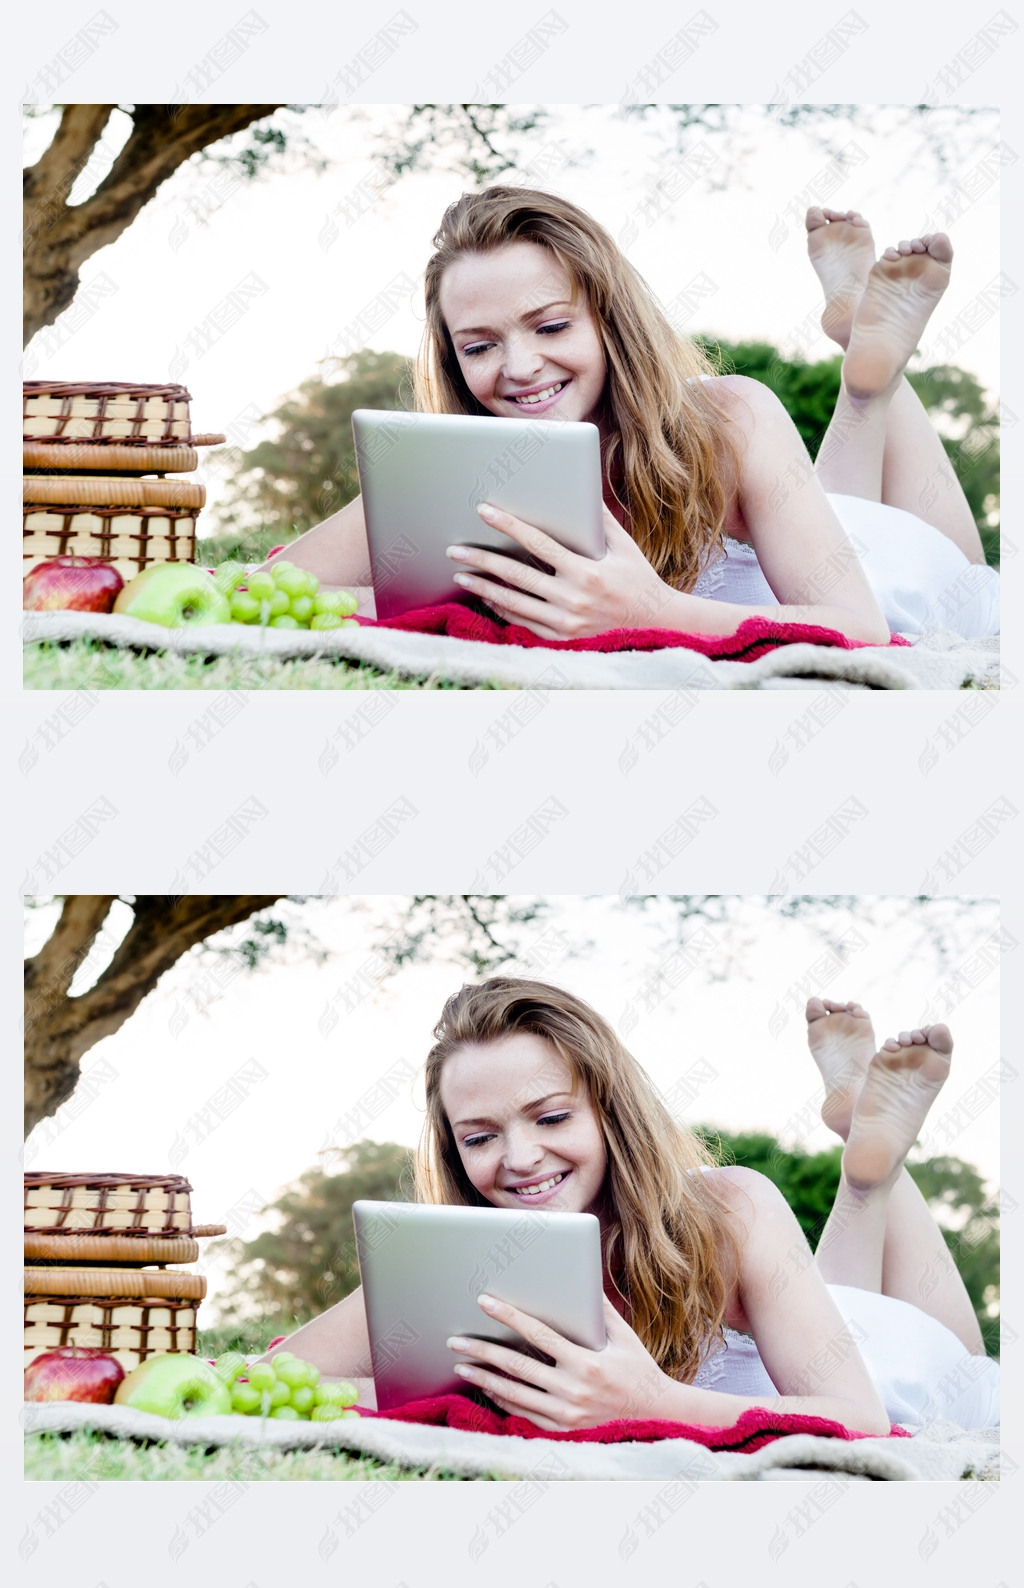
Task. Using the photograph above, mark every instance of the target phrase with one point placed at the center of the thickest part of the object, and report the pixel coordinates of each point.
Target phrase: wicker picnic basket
(117, 457)
(106, 411)
(131, 523)
(129, 1313)
(97, 1248)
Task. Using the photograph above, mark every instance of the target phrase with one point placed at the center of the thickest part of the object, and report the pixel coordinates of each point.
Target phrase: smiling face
(519, 1124)
(524, 346)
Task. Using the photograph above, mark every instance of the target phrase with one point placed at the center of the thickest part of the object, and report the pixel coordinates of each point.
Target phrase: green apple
(176, 595)
(175, 1385)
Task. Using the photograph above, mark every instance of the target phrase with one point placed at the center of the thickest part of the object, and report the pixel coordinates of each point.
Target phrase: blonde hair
(670, 452)
(669, 1244)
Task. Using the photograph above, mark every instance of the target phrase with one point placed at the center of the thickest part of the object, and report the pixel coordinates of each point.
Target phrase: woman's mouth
(539, 399)
(539, 1188)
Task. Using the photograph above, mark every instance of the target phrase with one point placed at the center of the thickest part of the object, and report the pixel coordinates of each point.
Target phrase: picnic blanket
(936, 661)
(939, 1451)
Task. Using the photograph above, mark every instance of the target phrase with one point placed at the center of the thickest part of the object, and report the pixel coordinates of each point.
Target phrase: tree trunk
(59, 237)
(60, 1028)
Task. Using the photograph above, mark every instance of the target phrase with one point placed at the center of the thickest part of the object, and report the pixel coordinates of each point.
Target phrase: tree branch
(50, 973)
(56, 170)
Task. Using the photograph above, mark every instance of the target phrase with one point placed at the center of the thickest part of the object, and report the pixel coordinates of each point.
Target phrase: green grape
(343, 602)
(228, 576)
(312, 582)
(280, 1393)
(326, 620)
(350, 1411)
(285, 621)
(261, 585)
(312, 1375)
(262, 1376)
(301, 608)
(229, 1366)
(244, 607)
(341, 1393)
(326, 1413)
(302, 1399)
(278, 604)
(246, 1399)
(289, 579)
(287, 1414)
(290, 1371)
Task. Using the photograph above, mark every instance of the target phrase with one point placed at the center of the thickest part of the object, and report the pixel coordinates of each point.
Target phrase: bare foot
(903, 1080)
(842, 1042)
(842, 251)
(902, 290)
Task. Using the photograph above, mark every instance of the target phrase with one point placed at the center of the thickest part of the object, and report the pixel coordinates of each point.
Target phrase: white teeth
(535, 1190)
(540, 396)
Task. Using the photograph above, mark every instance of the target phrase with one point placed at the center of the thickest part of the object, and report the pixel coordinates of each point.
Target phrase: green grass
(87, 664)
(56, 1458)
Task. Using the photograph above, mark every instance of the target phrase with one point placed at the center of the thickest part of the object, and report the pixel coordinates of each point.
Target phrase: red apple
(73, 1373)
(77, 584)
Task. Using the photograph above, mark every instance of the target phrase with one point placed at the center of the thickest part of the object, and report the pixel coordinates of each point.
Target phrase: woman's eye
(478, 347)
(475, 1141)
(552, 1119)
(558, 325)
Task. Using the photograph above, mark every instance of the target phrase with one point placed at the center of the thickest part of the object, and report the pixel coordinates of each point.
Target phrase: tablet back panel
(423, 1266)
(422, 475)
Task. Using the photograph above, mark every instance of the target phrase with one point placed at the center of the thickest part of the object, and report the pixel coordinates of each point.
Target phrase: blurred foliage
(307, 1261)
(954, 1190)
(306, 469)
(960, 409)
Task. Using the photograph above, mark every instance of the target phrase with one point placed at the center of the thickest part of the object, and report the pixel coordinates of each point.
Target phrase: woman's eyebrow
(536, 1102)
(481, 330)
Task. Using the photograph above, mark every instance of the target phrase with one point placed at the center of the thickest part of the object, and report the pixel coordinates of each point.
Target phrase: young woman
(713, 511)
(713, 1301)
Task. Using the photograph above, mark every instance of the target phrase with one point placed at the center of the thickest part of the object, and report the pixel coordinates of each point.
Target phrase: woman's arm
(338, 1343)
(800, 544)
(337, 552)
(797, 1328)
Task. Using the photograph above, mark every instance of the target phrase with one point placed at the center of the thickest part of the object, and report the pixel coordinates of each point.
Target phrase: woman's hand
(582, 597)
(582, 1388)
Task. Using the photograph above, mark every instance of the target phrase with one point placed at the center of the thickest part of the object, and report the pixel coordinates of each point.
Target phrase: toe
(815, 1009)
(815, 217)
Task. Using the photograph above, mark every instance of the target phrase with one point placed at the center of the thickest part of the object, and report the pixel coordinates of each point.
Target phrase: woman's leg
(881, 443)
(880, 1234)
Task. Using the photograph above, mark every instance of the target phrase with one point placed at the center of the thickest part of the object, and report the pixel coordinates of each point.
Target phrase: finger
(534, 1417)
(475, 560)
(487, 1353)
(513, 603)
(614, 534)
(507, 1392)
(528, 536)
(532, 1330)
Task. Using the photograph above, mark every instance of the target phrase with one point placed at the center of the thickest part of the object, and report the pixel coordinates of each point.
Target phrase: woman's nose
(522, 1152)
(522, 360)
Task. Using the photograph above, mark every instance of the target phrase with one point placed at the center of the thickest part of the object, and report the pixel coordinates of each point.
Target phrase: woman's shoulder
(746, 1192)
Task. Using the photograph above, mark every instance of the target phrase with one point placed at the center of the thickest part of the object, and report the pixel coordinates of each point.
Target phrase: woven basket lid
(113, 1248)
(101, 491)
(113, 459)
(123, 1283)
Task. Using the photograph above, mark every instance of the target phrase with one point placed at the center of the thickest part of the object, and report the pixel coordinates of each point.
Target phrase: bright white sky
(171, 270)
(153, 1077)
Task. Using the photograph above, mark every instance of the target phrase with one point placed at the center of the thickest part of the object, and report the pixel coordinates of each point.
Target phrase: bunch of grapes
(286, 1388)
(284, 597)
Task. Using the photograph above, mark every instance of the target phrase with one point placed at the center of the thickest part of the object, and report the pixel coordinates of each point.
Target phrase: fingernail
(458, 1344)
(461, 1368)
(487, 511)
(487, 1302)
(460, 578)
(458, 552)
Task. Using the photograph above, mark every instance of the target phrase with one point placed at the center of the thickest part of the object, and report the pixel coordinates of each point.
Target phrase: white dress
(921, 580)
(922, 1372)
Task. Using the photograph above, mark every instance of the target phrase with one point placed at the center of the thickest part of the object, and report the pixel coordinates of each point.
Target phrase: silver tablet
(423, 1266)
(422, 475)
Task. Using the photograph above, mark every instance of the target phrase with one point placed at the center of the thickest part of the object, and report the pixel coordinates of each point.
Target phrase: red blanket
(752, 1429)
(752, 639)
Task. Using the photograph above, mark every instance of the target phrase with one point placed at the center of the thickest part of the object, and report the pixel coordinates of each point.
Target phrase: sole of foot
(902, 1082)
(842, 1041)
(903, 288)
(842, 251)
